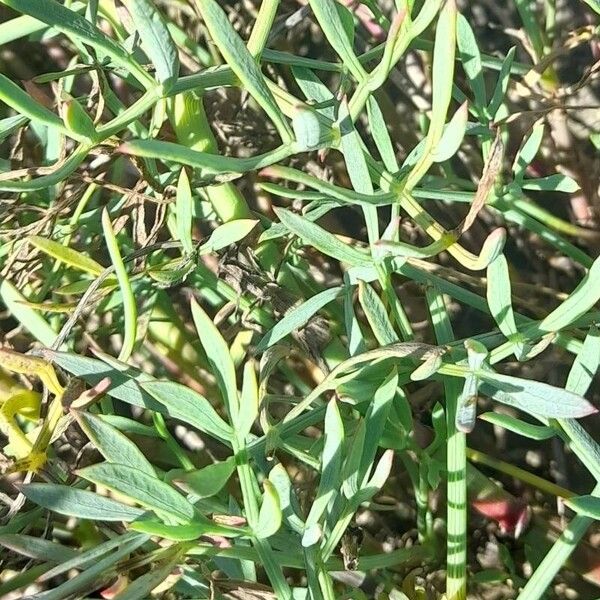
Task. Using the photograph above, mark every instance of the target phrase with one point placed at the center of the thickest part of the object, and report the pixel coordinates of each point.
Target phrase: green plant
(304, 356)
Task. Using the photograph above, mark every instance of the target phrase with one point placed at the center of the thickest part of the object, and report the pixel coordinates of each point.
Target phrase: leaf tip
(124, 148)
(268, 172)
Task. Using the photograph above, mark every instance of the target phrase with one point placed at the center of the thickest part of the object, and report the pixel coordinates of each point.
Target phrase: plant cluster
(258, 299)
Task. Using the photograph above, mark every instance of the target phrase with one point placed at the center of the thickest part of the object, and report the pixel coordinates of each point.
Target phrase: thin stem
(262, 27)
(456, 549)
(513, 471)
(136, 110)
(174, 447)
(263, 549)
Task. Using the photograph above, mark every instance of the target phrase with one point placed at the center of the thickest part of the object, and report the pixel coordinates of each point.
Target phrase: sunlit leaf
(73, 502)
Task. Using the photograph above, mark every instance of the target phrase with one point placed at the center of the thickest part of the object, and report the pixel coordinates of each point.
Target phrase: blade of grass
(129, 305)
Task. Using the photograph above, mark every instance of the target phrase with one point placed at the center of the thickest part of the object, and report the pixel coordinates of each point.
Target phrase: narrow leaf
(218, 356)
(11, 124)
(227, 234)
(29, 318)
(331, 463)
(188, 406)
(297, 317)
(249, 402)
(184, 533)
(279, 477)
(586, 363)
(77, 26)
(443, 72)
(499, 300)
(501, 84)
(331, 23)
(38, 548)
(67, 255)
(322, 240)
(269, 517)
(124, 381)
(24, 104)
(83, 504)
(92, 555)
(315, 91)
(534, 397)
(471, 59)
(184, 209)
(380, 134)
(529, 149)
(149, 492)
(452, 136)
(156, 40)
(141, 588)
(380, 476)
(356, 166)
(376, 315)
(351, 146)
(351, 475)
(375, 420)
(552, 183)
(205, 482)
(427, 369)
(581, 299)
(112, 444)
(588, 506)
(77, 121)
(528, 430)
(129, 305)
(90, 577)
(242, 63)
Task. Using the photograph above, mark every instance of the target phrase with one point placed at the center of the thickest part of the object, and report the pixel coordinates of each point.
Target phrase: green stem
(68, 167)
(550, 220)
(265, 552)
(129, 303)
(456, 444)
(513, 471)
(262, 27)
(292, 560)
(174, 447)
(138, 108)
(422, 500)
